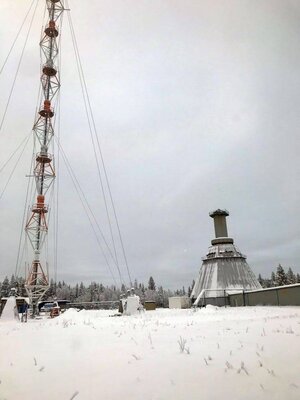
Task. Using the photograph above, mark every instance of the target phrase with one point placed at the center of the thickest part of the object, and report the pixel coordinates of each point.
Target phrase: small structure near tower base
(10, 310)
(224, 269)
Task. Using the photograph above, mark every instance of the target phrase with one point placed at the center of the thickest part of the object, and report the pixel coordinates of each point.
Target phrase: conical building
(224, 268)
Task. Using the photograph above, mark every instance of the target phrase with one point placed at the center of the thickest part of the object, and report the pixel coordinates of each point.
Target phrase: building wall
(279, 296)
(179, 302)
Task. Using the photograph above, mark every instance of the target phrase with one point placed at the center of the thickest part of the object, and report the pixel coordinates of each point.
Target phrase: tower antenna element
(37, 282)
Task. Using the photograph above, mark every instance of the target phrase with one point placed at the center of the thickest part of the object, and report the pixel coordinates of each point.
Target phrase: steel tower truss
(37, 282)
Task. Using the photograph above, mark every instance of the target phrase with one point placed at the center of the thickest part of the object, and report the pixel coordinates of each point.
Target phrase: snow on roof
(273, 288)
(17, 298)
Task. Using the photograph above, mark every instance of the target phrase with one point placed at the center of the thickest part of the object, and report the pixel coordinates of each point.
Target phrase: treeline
(94, 291)
(279, 278)
(147, 292)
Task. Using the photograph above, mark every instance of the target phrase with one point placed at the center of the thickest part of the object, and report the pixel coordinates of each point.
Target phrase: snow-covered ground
(228, 353)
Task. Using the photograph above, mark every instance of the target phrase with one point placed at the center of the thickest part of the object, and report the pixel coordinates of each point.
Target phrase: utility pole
(37, 282)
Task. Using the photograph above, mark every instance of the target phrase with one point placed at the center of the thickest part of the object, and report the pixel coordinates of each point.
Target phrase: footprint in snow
(135, 357)
(293, 385)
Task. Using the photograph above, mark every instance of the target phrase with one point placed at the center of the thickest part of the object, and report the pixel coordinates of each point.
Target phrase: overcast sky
(197, 107)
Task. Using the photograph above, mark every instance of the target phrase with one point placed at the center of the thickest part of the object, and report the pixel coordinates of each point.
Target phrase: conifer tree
(5, 287)
(273, 279)
(12, 283)
(151, 284)
(290, 277)
(280, 277)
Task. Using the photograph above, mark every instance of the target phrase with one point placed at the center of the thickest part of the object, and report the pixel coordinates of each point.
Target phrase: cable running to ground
(93, 144)
(57, 163)
(28, 189)
(99, 149)
(16, 38)
(87, 208)
(14, 152)
(18, 68)
(23, 221)
(56, 208)
(14, 168)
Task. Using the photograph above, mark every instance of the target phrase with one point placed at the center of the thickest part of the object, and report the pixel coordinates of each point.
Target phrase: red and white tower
(37, 282)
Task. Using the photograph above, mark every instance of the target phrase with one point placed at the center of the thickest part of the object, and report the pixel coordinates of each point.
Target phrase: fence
(276, 296)
(95, 305)
(215, 297)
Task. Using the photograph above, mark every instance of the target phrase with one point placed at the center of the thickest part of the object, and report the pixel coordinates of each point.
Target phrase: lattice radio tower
(36, 227)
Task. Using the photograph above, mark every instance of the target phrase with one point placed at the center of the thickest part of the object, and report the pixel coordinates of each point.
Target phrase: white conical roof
(224, 268)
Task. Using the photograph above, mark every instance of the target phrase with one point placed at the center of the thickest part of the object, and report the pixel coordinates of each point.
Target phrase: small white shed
(179, 302)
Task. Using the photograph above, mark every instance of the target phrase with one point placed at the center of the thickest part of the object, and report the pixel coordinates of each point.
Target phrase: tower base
(36, 285)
